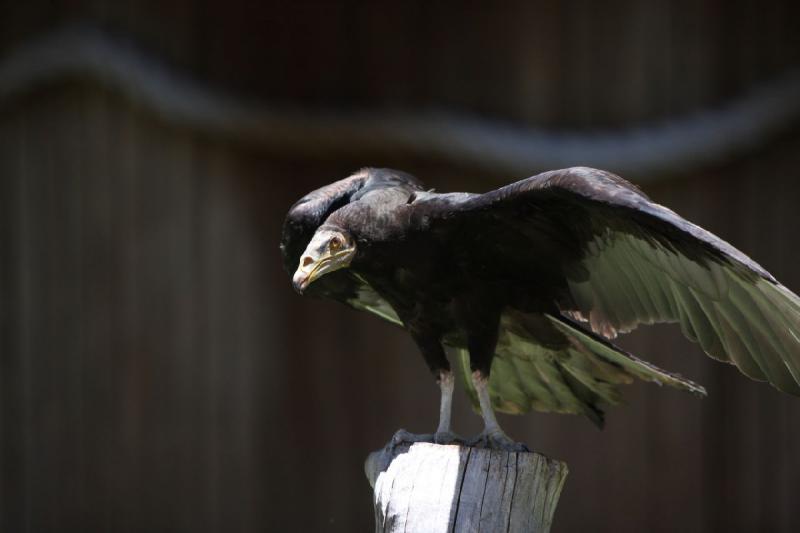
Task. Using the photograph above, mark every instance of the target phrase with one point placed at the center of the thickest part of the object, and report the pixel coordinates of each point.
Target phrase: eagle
(523, 289)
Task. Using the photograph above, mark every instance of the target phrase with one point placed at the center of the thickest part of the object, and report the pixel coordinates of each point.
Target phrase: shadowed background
(157, 373)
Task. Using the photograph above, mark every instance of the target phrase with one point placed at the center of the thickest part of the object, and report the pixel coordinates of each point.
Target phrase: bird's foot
(497, 440)
(440, 437)
(447, 437)
(406, 437)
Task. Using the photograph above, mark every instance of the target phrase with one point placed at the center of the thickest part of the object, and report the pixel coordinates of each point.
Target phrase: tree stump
(434, 488)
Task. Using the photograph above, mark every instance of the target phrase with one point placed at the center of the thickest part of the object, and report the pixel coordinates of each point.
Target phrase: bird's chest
(421, 290)
(410, 284)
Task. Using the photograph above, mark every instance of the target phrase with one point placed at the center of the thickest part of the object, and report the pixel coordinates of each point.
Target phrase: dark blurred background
(157, 373)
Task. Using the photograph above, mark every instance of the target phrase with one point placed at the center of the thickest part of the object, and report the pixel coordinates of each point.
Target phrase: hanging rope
(641, 151)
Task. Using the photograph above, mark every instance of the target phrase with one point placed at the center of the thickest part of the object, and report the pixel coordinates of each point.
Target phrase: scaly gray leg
(492, 435)
(443, 434)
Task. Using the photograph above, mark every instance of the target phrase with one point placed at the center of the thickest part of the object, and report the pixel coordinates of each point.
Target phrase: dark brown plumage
(528, 284)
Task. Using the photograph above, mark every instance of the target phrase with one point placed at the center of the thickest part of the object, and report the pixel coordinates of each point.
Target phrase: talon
(402, 436)
(447, 437)
(497, 440)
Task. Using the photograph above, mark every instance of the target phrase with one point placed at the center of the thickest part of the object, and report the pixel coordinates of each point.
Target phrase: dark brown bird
(526, 285)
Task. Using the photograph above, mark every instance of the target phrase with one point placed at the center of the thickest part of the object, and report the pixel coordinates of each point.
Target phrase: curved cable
(642, 151)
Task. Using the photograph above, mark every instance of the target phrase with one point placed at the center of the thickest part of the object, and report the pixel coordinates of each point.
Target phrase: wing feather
(625, 261)
(579, 377)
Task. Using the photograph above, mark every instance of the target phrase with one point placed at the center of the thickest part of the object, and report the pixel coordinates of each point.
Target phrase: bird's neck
(372, 223)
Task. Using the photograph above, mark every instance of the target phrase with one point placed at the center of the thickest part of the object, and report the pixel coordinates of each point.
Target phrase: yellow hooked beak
(311, 269)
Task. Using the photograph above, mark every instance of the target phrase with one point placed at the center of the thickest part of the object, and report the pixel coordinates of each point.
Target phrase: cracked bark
(433, 488)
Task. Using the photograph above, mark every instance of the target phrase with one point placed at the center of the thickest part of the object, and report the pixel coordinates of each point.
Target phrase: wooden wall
(157, 373)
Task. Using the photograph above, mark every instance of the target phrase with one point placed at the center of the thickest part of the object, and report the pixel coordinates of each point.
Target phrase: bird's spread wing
(613, 259)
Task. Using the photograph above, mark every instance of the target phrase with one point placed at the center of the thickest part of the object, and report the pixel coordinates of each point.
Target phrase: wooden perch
(433, 488)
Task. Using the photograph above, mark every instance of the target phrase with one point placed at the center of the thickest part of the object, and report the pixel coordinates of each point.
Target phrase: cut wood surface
(433, 488)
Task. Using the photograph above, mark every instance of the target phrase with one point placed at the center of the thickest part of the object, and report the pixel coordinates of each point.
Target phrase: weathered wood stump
(433, 488)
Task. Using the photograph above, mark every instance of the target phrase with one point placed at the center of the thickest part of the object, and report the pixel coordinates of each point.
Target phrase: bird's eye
(335, 244)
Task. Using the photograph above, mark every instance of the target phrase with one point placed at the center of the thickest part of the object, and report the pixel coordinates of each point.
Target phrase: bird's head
(330, 249)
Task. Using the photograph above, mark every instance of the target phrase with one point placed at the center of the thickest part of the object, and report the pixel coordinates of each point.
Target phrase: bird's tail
(579, 378)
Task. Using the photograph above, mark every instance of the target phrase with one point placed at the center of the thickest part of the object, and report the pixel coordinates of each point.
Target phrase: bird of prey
(526, 286)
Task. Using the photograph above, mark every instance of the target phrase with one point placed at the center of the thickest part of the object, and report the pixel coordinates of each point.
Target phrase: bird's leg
(429, 343)
(482, 325)
(443, 435)
(492, 435)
